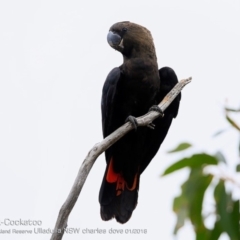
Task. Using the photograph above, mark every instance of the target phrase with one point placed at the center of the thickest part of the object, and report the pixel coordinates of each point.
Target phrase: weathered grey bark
(98, 148)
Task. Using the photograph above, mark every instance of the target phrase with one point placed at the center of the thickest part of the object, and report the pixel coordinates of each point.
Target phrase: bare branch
(99, 148)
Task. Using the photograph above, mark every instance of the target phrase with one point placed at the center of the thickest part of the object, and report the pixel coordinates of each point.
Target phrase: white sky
(54, 59)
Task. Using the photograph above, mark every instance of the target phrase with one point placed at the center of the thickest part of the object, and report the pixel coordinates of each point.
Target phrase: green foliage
(230, 120)
(188, 205)
(227, 211)
(238, 168)
(195, 161)
(180, 147)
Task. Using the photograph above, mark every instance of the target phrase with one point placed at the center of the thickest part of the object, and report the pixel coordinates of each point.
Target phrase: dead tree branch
(99, 148)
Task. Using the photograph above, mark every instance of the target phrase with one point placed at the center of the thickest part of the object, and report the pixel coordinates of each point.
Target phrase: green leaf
(180, 207)
(238, 168)
(235, 218)
(195, 190)
(181, 147)
(195, 161)
(189, 203)
(216, 232)
(203, 235)
(228, 211)
(235, 125)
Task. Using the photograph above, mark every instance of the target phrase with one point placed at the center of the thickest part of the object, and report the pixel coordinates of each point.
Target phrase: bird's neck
(143, 52)
(140, 65)
(140, 60)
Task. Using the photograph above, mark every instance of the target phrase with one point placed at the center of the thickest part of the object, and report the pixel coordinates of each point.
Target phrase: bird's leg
(156, 108)
(133, 121)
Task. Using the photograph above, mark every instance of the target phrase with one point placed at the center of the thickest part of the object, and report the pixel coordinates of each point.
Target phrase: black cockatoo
(128, 92)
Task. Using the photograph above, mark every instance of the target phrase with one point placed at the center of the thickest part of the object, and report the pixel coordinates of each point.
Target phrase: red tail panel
(113, 177)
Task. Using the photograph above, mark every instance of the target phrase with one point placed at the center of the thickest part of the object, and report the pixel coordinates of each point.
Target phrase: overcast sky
(54, 59)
